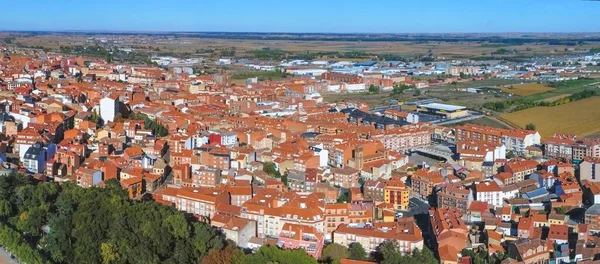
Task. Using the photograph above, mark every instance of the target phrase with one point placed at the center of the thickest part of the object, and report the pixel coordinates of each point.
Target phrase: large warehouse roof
(444, 107)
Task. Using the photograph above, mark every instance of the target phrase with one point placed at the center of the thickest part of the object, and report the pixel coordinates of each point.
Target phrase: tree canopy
(96, 225)
(388, 253)
(51, 223)
(333, 253)
(357, 252)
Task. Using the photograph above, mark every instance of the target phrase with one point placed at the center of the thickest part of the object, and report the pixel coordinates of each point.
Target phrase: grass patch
(527, 89)
(564, 87)
(484, 121)
(261, 75)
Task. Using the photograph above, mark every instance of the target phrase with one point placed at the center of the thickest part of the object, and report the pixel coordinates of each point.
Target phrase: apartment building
(489, 192)
(570, 148)
(201, 202)
(346, 177)
(592, 217)
(396, 193)
(529, 251)
(405, 232)
(519, 169)
(589, 170)
(478, 150)
(374, 190)
(424, 181)
(294, 236)
(335, 215)
(514, 140)
(454, 195)
(404, 138)
(445, 219)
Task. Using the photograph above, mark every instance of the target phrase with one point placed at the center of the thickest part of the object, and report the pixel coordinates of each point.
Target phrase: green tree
(284, 178)
(374, 89)
(530, 126)
(499, 256)
(31, 221)
(178, 226)
(333, 253)
(343, 198)
(109, 253)
(388, 252)
(267, 254)
(427, 256)
(510, 155)
(356, 252)
(6, 209)
(560, 210)
(206, 238)
(270, 168)
(228, 255)
(97, 225)
(399, 89)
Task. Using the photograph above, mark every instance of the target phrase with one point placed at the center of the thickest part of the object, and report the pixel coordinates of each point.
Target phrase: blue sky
(349, 16)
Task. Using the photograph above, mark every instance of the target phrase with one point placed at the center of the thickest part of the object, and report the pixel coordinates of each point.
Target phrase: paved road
(418, 206)
(5, 258)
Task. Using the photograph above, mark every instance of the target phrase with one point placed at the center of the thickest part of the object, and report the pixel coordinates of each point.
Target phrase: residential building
(445, 219)
(489, 192)
(198, 201)
(592, 218)
(109, 107)
(36, 156)
(589, 170)
(335, 215)
(396, 193)
(294, 236)
(374, 190)
(405, 232)
(515, 141)
(346, 177)
(454, 195)
(423, 182)
(236, 229)
(520, 169)
(529, 251)
(88, 177)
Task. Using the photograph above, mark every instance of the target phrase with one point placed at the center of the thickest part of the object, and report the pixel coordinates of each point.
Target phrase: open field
(595, 135)
(554, 98)
(372, 100)
(527, 89)
(484, 121)
(580, 118)
(408, 48)
(568, 87)
(478, 84)
(470, 100)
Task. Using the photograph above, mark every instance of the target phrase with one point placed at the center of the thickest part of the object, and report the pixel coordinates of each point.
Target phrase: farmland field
(580, 118)
(567, 87)
(554, 98)
(527, 89)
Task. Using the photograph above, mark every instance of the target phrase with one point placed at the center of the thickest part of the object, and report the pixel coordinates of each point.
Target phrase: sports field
(580, 118)
(527, 89)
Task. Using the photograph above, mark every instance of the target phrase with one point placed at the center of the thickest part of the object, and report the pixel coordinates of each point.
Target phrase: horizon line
(289, 32)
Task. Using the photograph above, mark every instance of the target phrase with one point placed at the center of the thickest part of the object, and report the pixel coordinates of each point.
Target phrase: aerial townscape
(345, 148)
